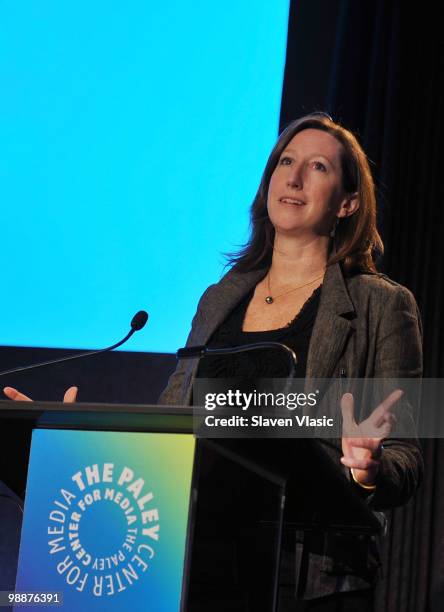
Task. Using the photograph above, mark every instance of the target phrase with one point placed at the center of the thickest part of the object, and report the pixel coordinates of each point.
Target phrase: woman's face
(305, 192)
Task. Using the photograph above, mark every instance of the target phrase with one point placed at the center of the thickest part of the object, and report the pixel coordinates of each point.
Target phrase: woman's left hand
(362, 444)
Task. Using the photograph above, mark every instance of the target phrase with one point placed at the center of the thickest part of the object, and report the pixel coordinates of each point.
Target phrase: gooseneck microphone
(192, 352)
(137, 323)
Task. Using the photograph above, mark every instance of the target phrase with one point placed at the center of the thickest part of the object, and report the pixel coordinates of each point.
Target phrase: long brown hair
(356, 239)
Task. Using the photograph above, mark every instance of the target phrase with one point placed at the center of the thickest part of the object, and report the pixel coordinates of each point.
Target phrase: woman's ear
(348, 206)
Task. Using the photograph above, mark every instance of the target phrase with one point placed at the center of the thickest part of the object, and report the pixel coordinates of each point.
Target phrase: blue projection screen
(133, 138)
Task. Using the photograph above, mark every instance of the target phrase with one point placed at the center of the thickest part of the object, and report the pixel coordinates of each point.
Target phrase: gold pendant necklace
(270, 299)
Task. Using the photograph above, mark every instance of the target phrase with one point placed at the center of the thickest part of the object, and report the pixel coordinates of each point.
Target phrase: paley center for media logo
(103, 529)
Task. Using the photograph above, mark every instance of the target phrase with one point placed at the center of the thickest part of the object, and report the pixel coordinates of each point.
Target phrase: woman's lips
(292, 201)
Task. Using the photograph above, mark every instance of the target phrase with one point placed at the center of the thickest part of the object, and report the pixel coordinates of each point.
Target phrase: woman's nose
(295, 178)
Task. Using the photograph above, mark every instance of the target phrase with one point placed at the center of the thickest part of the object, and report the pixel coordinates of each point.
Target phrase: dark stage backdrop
(377, 66)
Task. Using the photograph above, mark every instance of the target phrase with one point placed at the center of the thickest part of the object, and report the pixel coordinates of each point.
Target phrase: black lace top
(266, 363)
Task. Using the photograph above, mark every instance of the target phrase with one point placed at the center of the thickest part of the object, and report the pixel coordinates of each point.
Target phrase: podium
(157, 519)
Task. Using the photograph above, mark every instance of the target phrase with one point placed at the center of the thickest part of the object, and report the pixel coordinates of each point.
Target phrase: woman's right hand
(11, 393)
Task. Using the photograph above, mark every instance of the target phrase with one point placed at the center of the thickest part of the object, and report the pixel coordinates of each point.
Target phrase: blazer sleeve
(398, 355)
(177, 389)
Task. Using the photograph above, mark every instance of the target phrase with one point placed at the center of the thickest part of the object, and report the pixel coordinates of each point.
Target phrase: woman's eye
(285, 161)
(319, 166)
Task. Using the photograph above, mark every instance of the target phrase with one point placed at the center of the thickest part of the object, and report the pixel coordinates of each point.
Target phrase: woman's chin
(293, 229)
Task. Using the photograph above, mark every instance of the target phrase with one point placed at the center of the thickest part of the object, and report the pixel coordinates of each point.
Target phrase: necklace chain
(270, 299)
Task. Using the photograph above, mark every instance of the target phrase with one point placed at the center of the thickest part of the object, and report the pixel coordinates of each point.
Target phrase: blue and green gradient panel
(106, 517)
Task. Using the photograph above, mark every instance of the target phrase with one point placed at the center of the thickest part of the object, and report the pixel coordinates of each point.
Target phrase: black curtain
(377, 67)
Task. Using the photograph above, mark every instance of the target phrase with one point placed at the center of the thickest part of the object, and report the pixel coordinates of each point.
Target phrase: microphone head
(139, 320)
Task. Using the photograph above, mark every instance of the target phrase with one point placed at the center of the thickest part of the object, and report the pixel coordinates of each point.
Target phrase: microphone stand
(137, 323)
(193, 352)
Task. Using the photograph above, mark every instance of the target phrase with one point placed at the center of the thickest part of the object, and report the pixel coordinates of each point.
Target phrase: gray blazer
(367, 326)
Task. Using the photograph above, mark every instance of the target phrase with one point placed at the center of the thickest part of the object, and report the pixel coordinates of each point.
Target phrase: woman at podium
(307, 278)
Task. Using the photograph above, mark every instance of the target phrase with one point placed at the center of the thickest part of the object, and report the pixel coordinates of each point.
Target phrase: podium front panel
(106, 518)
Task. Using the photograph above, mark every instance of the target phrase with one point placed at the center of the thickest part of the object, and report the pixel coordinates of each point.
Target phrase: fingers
(348, 412)
(374, 445)
(11, 393)
(388, 421)
(380, 413)
(371, 444)
(15, 395)
(360, 464)
(368, 429)
(70, 395)
(378, 425)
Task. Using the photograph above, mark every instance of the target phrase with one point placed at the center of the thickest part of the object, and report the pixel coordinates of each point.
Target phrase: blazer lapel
(331, 328)
(231, 289)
